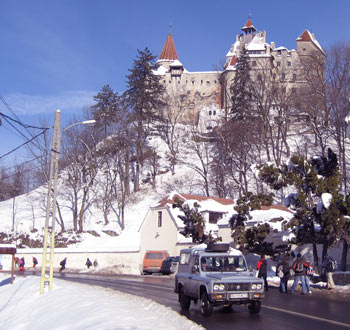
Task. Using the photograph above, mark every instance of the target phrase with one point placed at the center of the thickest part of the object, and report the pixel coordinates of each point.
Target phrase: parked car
(169, 265)
(152, 261)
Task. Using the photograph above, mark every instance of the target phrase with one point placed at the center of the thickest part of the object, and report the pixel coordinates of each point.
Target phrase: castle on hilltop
(204, 98)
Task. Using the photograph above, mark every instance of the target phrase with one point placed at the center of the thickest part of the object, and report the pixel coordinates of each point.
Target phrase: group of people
(20, 263)
(301, 269)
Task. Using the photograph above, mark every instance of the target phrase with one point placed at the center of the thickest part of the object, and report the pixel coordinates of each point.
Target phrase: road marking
(308, 316)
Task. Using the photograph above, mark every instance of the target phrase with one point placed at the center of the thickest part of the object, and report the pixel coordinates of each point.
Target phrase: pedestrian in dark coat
(262, 268)
(88, 263)
(63, 264)
(282, 271)
(35, 262)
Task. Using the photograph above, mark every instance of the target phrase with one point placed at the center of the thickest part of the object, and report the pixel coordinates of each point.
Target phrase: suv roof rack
(217, 247)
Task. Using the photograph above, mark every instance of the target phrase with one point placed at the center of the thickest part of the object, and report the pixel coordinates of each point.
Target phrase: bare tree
(338, 99)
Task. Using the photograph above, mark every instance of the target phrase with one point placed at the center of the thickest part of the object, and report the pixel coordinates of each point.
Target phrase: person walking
(330, 266)
(63, 264)
(262, 270)
(88, 263)
(21, 264)
(282, 271)
(35, 262)
(308, 273)
(299, 269)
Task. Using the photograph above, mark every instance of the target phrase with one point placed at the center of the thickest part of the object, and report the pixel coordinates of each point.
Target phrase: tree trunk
(63, 229)
(344, 255)
(314, 250)
(324, 250)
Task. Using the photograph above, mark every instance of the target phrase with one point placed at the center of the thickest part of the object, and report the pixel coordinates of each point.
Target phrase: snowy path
(75, 306)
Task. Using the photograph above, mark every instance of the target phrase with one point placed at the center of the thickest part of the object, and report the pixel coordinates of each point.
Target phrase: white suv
(216, 276)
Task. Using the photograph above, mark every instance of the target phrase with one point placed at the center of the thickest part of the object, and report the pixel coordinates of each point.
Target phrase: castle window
(201, 81)
(254, 63)
(159, 218)
(294, 76)
(289, 63)
(294, 90)
(304, 49)
(178, 81)
(278, 63)
(214, 113)
(210, 113)
(283, 76)
(192, 82)
(208, 82)
(215, 81)
(169, 82)
(164, 81)
(209, 128)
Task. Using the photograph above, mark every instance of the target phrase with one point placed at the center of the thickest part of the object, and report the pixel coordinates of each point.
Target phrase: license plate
(238, 295)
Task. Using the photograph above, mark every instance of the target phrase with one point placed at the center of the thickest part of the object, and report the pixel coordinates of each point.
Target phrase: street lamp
(51, 194)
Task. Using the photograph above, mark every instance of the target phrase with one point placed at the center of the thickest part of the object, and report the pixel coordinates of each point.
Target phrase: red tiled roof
(169, 50)
(277, 207)
(249, 25)
(233, 61)
(166, 200)
(305, 36)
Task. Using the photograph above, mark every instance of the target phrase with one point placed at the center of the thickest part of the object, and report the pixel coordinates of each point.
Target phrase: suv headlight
(219, 287)
(256, 286)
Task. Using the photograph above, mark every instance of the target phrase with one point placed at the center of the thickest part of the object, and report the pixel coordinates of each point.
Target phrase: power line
(20, 123)
(34, 137)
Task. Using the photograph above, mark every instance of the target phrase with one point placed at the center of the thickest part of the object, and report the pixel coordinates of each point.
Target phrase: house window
(159, 218)
(214, 217)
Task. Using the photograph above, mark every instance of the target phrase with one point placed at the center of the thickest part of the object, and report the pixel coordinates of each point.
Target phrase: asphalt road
(279, 311)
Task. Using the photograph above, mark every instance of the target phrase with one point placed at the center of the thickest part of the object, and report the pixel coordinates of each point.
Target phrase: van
(152, 261)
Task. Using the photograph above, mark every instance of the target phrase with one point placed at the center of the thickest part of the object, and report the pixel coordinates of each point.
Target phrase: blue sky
(59, 53)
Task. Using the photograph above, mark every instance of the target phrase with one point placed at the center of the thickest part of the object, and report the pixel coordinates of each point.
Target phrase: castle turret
(249, 27)
(168, 56)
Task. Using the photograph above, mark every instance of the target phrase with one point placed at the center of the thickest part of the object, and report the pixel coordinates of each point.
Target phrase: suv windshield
(223, 264)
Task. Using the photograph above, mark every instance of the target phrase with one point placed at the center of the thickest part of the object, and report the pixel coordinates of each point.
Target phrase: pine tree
(311, 179)
(144, 99)
(252, 239)
(240, 88)
(194, 223)
(106, 107)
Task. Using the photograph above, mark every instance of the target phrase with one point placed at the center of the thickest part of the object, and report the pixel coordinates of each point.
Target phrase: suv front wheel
(254, 307)
(206, 305)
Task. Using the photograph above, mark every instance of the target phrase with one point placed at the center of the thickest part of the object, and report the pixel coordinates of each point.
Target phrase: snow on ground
(77, 306)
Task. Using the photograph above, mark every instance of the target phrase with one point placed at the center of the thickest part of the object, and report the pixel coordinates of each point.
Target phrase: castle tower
(249, 28)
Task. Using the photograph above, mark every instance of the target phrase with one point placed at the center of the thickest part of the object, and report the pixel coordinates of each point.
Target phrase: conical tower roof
(249, 27)
(169, 50)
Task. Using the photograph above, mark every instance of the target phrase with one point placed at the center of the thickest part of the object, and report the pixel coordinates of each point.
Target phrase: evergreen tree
(144, 99)
(252, 239)
(312, 179)
(194, 223)
(240, 88)
(106, 107)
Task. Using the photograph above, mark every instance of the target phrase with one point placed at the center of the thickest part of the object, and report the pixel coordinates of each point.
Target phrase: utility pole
(51, 205)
